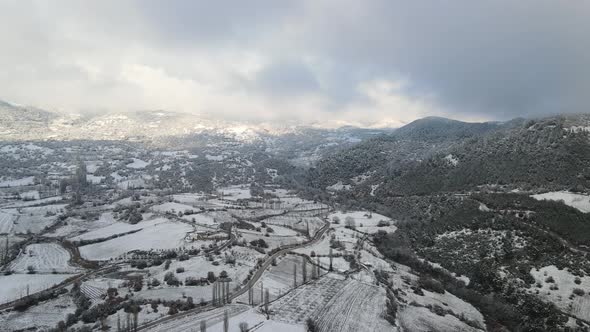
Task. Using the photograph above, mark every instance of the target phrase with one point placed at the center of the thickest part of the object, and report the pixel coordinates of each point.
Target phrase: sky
(336, 62)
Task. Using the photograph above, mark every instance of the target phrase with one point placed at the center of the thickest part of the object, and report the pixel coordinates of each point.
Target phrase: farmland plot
(44, 316)
(14, 286)
(118, 228)
(565, 282)
(356, 307)
(43, 258)
(6, 222)
(295, 221)
(164, 235)
(299, 304)
(279, 279)
(214, 319)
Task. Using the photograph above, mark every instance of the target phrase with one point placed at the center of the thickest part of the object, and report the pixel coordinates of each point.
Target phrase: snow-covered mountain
(29, 123)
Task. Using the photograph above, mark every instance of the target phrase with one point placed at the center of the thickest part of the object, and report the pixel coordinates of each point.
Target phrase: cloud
(368, 63)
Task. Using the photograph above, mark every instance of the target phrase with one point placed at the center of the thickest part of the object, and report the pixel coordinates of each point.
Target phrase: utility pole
(295, 275)
(304, 268)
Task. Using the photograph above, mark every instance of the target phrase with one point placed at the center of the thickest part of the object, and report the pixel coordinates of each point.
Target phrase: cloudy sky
(341, 62)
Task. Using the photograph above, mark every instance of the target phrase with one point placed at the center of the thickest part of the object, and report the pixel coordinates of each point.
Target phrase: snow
(15, 285)
(159, 234)
(117, 228)
(44, 316)
(452, 160)
(419, 319)
(31, 194)
(360, 217)
(44, 258)
(578, 201)
(138, 164)
(94, 179)
(214, 157)
(565, 281)
(338, 186)
(172, 207)
(448, 301)
(6, 222)
(235, 192)
(336, 304)
(18, 182)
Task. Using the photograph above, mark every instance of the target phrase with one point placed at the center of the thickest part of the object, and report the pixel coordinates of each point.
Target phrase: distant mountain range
(29, 123)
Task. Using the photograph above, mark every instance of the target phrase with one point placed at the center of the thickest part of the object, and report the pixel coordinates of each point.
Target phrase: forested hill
(440, 155)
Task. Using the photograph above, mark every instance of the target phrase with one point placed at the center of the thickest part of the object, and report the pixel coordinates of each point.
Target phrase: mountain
(388, 155)
(16, 120)
(29, 123)
(434, 155)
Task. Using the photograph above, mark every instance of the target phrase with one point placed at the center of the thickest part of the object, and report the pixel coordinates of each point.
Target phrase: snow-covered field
(6, 222)
(118, 228)
(578, 201)
(42, 317)
(43, 258)
(158, 235)
(29, 180)
(213, 318)
(172, 207)
(336, 304)
(565, 282)
(138, 164)
(14, 286)
(233, 193)
(421, 319)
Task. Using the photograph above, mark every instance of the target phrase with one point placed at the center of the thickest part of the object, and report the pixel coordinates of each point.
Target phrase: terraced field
(43, 258)
(335, 304)
(6, 222)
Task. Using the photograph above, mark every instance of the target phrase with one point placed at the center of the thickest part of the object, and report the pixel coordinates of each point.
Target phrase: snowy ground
(578, 201)
(158, 235)
(14, 286)
(577, 305)
(118, 228)
(335, 304)
(419, 319)
(44, 258)
(29, 180)
(44, 316)
(233, 193)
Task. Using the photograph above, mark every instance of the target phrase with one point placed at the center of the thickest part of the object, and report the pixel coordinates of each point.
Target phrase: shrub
(579, 291)
(180, 269)
(430, 284)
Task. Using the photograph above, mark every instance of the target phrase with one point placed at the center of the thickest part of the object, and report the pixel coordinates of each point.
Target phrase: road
(316, 238)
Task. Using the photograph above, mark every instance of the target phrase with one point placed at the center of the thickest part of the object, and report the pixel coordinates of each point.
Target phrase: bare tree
(243, 327)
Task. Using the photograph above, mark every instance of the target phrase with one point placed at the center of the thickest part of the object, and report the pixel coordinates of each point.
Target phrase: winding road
(268, 261)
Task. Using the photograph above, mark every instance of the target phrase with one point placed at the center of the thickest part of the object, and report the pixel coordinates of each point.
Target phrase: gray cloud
(356, 61)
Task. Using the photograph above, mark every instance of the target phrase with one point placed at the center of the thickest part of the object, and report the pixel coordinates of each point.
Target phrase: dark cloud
(465, 59)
